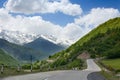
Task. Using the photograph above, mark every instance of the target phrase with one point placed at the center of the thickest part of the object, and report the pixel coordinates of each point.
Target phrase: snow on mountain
(49, 38)
(17, 37)
(23, 38)
(55, 40)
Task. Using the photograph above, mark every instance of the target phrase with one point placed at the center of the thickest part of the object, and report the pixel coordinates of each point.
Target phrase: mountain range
(21, 46)
(44, 46)
(20, 38)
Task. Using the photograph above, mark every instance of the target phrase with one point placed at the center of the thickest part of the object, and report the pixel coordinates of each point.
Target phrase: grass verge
(112, 64)
(110, 68)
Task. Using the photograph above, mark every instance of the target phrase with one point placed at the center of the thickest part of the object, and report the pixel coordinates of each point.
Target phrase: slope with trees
(103, 41)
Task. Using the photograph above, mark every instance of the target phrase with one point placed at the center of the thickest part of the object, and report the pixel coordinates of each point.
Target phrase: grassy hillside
(7, 59)
(100, 40)
(101, 29)
(19, 52)
(103, 41)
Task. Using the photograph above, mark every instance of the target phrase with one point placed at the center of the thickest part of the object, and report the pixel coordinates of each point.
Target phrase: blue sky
(86, 5)
(66, 19)
(2, 2)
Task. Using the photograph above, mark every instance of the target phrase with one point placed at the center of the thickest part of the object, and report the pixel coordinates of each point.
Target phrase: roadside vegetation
(110, 68)
(110, 75)
(112, 64)
(7, 59)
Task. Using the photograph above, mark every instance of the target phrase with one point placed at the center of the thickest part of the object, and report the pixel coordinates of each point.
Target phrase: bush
(75, 63)
(26, 66)
(113, 53)
(93, 56)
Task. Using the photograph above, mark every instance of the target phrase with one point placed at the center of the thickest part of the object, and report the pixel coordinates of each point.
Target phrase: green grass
(13, 72)
(106, 74)
(7, 59)
(112, 63)
(103, 28)
(75, 63)
(10, 72)
(109, 75)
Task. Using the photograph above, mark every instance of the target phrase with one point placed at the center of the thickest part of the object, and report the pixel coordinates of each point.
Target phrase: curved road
(60, 75)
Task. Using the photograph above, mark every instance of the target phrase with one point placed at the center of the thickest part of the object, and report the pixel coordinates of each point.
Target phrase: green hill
(19, 52)
(103, 41)
(7, 59)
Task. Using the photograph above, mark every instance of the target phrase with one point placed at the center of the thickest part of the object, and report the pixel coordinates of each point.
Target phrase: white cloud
(37, 25)
(72, 31)
(97, 16)
(3, 15)
(43, 6)
(84, 24)
(28, 24)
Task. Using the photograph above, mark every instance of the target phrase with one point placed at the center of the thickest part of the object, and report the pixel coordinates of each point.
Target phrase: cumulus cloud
(97, 16)
(72, 31)
(43, 6)
(37, 25)
(27, 24)
(84, 24)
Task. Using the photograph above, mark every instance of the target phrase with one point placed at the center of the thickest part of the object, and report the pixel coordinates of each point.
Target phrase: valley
(39, 48)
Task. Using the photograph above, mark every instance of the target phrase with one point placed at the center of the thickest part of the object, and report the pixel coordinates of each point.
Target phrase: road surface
(92, 66)
(61, 75)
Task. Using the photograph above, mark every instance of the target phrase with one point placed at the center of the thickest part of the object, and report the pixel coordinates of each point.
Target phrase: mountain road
(63, 75)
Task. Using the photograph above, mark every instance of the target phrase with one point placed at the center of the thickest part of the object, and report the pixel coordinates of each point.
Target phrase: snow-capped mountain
(23, 38)
(17, 37)
(55, 40)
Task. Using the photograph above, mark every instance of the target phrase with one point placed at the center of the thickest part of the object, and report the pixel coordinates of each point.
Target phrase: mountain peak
(20, 38)
(16, 37)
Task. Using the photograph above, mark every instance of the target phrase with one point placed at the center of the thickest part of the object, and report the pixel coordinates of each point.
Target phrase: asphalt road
(62, 75)
(92, 66)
